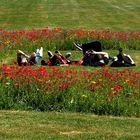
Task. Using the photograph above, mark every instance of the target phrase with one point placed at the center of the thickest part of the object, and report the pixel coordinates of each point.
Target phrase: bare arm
(21, 52)
(101, 53)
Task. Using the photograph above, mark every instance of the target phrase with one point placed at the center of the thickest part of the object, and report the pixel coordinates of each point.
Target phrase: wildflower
(1, 46)
(7, 42)
(15, 62)
(72, 100)
(99, 80)
(115, 93)
(7, 83)
(0, 76)
(73, 63)
(93, 89)
(126, 81)
(131, 82)
(83, 95)
(108, 94)
(104, 68)
(135, 92)
(93, 82)
(69, 75)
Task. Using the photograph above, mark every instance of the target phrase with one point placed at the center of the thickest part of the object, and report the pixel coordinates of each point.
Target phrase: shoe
(68, 54)
(50, 54)
(114, 58)
(78, 46)
(41, 52)
(133, 64)
(37, 51)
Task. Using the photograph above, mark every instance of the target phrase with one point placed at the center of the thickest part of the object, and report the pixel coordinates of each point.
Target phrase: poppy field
(61, 39)
(104, 91)
(101, 91)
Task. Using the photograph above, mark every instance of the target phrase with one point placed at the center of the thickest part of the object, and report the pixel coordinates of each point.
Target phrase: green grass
(22, 125)
(100, 14)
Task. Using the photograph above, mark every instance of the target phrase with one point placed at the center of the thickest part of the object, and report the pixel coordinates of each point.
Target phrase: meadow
(66, 99)
(102, 91)
(116, 15)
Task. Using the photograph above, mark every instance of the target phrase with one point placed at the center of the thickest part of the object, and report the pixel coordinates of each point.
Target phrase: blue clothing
(37, 57)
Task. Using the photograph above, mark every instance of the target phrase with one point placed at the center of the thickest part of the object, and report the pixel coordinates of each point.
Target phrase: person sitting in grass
(122, 60)
(93, 58)
(24, 59)
(57, 59)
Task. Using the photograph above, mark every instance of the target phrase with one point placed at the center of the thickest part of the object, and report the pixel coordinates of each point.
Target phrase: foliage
(60, 39)
(104, 91)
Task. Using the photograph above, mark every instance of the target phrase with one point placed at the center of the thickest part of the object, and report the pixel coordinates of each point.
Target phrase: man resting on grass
(122, 60)
(93, 55)
(24, 59)
(57, 59)
(93, 58)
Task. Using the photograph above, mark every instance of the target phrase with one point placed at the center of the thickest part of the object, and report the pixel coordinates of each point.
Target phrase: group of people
(92, 56)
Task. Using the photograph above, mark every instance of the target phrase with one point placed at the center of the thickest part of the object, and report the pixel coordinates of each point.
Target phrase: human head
(57, 52)
(33, 55)
(120, 50)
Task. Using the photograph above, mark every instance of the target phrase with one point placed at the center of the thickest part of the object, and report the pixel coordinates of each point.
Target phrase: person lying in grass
(93, 58)
(57, 59)
(23, 59)
(122, 60)
(92, 54)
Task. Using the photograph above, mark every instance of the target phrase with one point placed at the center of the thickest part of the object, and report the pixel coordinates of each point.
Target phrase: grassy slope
(100, 14)
(37, 125)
